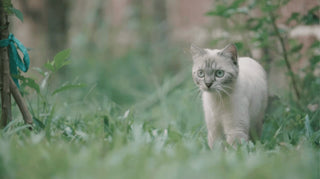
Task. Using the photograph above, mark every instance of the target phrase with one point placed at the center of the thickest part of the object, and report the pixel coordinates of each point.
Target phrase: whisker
(220, 97)
(226, 92)
(199, 93)
(196, 93)
(194, 88)
(226, 86)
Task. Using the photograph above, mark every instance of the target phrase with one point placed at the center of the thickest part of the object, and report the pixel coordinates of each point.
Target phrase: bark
(5, 70)
(7, 86)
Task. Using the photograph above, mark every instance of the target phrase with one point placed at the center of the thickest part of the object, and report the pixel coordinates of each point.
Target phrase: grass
(141, 118)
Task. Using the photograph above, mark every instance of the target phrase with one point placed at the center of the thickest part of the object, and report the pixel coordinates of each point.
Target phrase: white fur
(235, 116)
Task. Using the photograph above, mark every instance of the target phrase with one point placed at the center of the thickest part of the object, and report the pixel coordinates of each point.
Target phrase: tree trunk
(160, 19)
(57, 19)
(5, 70)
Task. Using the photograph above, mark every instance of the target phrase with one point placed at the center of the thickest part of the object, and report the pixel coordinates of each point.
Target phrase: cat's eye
(219, 73)
(200, 74)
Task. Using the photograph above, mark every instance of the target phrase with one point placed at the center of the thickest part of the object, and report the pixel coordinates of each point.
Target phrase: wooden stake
(7, 86)
(5, 71)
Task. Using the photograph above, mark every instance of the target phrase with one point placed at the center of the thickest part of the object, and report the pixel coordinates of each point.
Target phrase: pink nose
(208, 84)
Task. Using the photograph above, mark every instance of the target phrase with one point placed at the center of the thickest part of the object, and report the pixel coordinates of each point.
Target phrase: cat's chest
(216, 106)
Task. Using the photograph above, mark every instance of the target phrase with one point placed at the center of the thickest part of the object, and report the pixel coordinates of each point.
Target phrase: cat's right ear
(196, 51)
(230, 51)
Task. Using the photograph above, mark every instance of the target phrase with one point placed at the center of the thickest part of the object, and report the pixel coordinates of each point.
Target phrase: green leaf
(7, 6)
(38, 123)
(68, 87)
(49, 66)
(39, 70)
(239, 45)
(314, 60)
(296, 48)
(312, 17)
(60, 59)
(268, 6)
(227, 11)
(220, 10)
(17, 13)
(316, 44)
(236, 4)
(31, 83)
(294, 16)
(307, 126)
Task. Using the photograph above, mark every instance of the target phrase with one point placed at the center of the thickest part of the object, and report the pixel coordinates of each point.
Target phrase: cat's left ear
(230, 51)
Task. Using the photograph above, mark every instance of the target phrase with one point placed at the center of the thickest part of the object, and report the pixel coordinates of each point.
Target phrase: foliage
(261, 31)
(264, 35)
(8, 7)
(138, 116)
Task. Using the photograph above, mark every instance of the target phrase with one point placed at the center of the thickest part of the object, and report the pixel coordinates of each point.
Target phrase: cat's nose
(208, 85)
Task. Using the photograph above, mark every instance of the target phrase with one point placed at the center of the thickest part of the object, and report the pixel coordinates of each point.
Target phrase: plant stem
(285, 56)
(21, 104)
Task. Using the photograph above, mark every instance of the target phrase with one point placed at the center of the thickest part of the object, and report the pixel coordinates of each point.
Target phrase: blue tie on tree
(15, 60)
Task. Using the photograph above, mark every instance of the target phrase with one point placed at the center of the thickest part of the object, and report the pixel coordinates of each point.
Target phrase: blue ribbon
(15, 59)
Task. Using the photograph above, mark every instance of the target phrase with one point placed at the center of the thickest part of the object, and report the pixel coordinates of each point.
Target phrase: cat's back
(248, 67)
(252, 83)
(251, 75)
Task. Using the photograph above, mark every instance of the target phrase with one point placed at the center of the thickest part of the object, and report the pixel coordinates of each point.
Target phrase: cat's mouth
(209, 89)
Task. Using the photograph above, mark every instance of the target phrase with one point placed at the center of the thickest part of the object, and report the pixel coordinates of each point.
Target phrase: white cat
(234, 93)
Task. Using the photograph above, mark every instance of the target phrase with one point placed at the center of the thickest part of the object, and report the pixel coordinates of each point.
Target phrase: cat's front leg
(235, 138)
(212, 137)
(214, 133)
(236, 130)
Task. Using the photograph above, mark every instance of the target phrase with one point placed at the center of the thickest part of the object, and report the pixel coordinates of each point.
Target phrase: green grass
(141, 118)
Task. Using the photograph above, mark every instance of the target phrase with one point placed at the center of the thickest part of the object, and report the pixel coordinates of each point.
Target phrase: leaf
(18, 129)
(7, 6)
(239, 45)
(314, 60)
(39, 70)
(267, 6)
(235, 4)
(307, 126)
(60, 59)
(31, 83)
(294, 16)
(227, 11)
(67, 87)
(49, 66)
(38, 123)
(17, 13)
(312, 17)
(296, 48)
(220, 10)
(316, 44)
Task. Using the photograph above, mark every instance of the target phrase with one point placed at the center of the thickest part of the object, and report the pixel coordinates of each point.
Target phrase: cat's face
(215, 70)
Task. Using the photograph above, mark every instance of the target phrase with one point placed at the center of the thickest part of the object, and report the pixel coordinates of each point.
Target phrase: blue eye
(219, 73)
(200, 73)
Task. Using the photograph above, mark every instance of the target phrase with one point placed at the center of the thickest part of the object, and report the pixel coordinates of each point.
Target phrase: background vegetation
(138, 115)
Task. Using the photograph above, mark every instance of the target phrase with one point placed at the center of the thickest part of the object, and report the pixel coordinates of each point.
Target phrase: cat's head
(215, 70)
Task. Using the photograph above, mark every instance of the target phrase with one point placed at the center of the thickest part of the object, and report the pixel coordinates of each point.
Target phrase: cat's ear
(230, 51)
(196, 51)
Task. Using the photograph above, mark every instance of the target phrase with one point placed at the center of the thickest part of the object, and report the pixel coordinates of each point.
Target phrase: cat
(234, 93)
